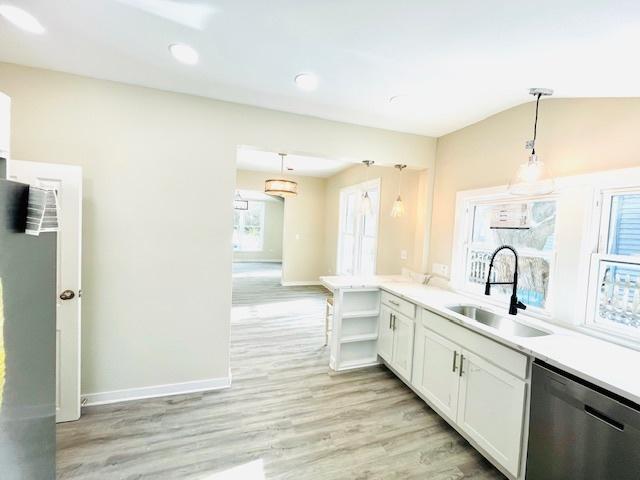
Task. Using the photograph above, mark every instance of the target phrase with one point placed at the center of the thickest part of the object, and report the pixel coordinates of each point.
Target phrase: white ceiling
(456, 61)
(257, 160)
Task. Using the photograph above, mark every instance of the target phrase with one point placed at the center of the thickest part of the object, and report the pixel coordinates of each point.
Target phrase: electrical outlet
(441, 269)
(403, 255)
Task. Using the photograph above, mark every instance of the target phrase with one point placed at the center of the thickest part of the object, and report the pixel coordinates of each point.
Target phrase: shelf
(359, 338)
(361, 314)
(365, 362)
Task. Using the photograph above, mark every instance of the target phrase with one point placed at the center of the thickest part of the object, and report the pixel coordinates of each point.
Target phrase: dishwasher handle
(604, 418)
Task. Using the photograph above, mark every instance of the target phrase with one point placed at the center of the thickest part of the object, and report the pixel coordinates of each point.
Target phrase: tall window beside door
(248, 228)
(358, 232)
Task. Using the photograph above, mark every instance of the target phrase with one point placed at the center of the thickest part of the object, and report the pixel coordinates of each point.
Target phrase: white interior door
(67, 180)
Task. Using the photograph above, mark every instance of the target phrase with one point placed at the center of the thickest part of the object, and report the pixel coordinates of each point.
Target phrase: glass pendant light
(366, 208)
(281, 186)
(240, 203)
(533, 177)
(398, 207)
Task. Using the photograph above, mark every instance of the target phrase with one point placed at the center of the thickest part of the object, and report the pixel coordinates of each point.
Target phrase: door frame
(68, 378)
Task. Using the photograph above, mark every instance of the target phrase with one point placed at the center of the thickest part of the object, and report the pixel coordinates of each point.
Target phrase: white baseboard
(302, 283)
(103, 398)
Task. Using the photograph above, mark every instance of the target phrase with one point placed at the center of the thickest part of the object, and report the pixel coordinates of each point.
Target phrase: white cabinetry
(435, 370)
(403, 345)
(385, 334)
(355, 328)
(491, 408)
(395, 333)
(476, 383)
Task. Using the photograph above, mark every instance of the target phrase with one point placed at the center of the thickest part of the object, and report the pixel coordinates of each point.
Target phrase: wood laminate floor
(285, 416)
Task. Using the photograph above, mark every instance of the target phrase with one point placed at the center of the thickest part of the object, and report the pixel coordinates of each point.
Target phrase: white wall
(394, 234)
(157, 277)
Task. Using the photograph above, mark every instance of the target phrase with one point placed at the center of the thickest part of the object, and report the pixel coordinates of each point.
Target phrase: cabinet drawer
(501, 356)
(398, 304)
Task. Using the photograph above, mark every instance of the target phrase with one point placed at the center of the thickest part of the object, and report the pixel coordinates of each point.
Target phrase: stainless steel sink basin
(501, 323)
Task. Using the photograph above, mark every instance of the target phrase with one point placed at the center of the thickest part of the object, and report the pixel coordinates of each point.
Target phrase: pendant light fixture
(365, 202)
(240, 203)
(532, 177)
(281, 186)
(398, 207)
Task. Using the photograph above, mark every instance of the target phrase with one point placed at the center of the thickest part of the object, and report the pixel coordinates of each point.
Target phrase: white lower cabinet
(491, 406)
(435, 372)
(482, 399)
(395, 340)
(385, 333)
(403, 345)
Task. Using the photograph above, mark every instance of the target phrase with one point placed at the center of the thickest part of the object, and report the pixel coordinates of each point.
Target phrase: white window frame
(262, 226)
(463, 243)
(359, 224)
(600, 257)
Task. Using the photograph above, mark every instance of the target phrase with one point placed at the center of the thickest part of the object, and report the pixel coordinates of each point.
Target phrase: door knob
(67, 295)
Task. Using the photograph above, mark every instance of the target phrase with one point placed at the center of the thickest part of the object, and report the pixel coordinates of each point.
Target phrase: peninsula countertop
(602, 363)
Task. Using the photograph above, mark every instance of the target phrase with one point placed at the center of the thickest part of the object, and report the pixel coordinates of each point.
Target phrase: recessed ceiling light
(306, 81)
(184, 53)
(22, 19)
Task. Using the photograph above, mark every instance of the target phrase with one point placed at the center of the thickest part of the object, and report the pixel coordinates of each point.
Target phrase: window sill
(602, 334)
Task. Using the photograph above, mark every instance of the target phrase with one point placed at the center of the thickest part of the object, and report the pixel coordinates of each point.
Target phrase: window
(535, 247)
(358, 236)
(248, 228)
(615, 268)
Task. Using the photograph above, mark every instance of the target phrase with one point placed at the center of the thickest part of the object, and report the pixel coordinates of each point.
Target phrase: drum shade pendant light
(365, 202)
(281, 186)
(398, 207)
(532, 177)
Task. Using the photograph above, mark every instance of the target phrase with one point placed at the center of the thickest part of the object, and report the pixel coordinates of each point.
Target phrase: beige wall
(157, 292)
(303, 225)
(394, 234)
(272, 241)
(574, 136)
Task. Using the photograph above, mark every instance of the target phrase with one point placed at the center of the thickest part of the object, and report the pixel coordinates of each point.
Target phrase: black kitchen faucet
(514, 303)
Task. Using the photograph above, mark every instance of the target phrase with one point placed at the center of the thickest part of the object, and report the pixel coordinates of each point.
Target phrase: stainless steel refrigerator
(27, 341)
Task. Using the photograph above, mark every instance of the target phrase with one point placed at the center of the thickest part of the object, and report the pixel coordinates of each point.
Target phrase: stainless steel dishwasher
(579, 431)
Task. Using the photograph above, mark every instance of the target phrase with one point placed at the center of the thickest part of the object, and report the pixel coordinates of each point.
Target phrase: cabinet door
(403, 333)
(435, 370)
(491, 409)
(385, 333)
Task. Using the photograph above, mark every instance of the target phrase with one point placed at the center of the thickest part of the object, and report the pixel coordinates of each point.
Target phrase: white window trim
(359, 188)
(262, 226)
(593, 187)
(600, 254)
(463, 231)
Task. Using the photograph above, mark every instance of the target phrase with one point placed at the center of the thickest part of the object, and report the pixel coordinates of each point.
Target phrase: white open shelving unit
(355, 328)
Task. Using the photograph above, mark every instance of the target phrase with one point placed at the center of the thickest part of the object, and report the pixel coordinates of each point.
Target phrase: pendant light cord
(535, 125)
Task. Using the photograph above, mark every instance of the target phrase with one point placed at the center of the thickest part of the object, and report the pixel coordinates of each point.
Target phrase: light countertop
(605, 364)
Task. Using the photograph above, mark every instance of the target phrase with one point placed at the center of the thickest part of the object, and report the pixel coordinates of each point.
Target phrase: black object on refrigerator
(27, 341)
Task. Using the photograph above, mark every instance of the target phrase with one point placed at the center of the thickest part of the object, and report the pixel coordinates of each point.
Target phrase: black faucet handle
(521, 305)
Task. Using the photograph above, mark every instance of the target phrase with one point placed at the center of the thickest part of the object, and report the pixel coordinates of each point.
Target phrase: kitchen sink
(499, 322)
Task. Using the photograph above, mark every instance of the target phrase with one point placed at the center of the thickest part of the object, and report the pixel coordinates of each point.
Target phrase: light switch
(403, 254)
(297, 236)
